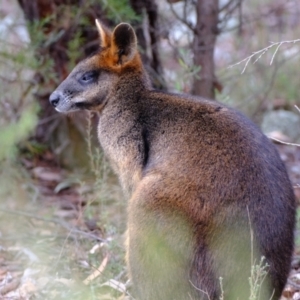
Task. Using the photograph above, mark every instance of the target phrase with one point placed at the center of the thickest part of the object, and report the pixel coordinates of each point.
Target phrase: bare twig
(282, 142)
(198, 289)
(89, 142)
(297, 108)
(226, 5)
(261, 52)
(230, 10)
(268, 88)
(7, 80)
(294, 284)
(251, 237)
(97, 272)
(183, 20)
(8, 287)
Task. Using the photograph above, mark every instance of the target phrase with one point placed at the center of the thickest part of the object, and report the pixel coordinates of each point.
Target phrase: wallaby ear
(104, 33)
(124, 42)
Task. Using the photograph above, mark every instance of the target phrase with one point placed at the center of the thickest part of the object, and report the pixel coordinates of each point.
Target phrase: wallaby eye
(88, 77)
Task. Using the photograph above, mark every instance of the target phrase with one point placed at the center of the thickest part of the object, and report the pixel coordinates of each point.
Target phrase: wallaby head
(90, 83)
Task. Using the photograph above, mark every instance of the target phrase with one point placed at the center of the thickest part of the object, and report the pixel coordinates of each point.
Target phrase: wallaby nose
(54, 98)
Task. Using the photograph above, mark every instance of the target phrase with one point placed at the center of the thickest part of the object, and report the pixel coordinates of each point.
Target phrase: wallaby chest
(120, 134)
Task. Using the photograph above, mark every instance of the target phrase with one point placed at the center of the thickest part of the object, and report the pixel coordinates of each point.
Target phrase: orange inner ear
(109, 55)
(106, 58)
(109, 59)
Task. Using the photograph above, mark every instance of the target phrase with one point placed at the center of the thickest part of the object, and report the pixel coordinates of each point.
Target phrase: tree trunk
(206, 31)
(149, 49)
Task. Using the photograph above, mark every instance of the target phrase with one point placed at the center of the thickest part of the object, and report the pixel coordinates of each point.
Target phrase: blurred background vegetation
(51, 169)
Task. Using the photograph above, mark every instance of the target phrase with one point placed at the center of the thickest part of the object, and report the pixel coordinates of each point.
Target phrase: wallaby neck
(120, 130)
(132, 81)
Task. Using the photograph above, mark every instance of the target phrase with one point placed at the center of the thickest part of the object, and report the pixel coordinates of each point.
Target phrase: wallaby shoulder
(200, 118)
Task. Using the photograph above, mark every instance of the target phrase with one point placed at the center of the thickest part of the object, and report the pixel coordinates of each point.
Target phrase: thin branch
(251, 237)
(261, 52)
(184, 21)
(185, 10)
(282, 142)
(198, 289)
(226, 5)
(273, 56)
(7, 80)
(229, 12)
(293, 284)
(266, 91)
(97, 272)
(240, 16)
(285, 143)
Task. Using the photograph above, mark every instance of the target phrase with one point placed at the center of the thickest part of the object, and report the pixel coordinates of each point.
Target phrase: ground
(62, 235)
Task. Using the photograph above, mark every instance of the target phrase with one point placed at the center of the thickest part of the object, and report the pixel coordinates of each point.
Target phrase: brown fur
(208, 193)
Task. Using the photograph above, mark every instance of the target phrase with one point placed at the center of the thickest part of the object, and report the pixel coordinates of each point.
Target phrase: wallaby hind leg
(239, 269)
(159, 250)
(158, 271)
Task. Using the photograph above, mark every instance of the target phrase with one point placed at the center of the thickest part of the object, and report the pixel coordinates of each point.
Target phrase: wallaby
(209, 198)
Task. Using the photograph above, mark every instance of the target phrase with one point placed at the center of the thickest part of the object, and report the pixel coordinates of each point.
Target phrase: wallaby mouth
(62, 104)
(65, 104)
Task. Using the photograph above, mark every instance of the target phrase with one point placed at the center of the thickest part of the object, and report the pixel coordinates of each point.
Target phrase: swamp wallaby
(208, 194)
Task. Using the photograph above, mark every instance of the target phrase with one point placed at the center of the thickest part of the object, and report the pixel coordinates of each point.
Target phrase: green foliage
(119, 10)
(187, 72)
(42, 62)
(12, 134)
(258, 275)
(18, 110)
(73, 46)
(286, 83)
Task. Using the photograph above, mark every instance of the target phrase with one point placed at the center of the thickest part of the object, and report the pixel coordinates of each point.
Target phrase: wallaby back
(208, 193)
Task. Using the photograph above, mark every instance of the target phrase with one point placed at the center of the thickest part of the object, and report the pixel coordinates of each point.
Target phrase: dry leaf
(10, 286)
(96, 248)
(47, 174)
(67, 282)
(98, 271)
(116, 285)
